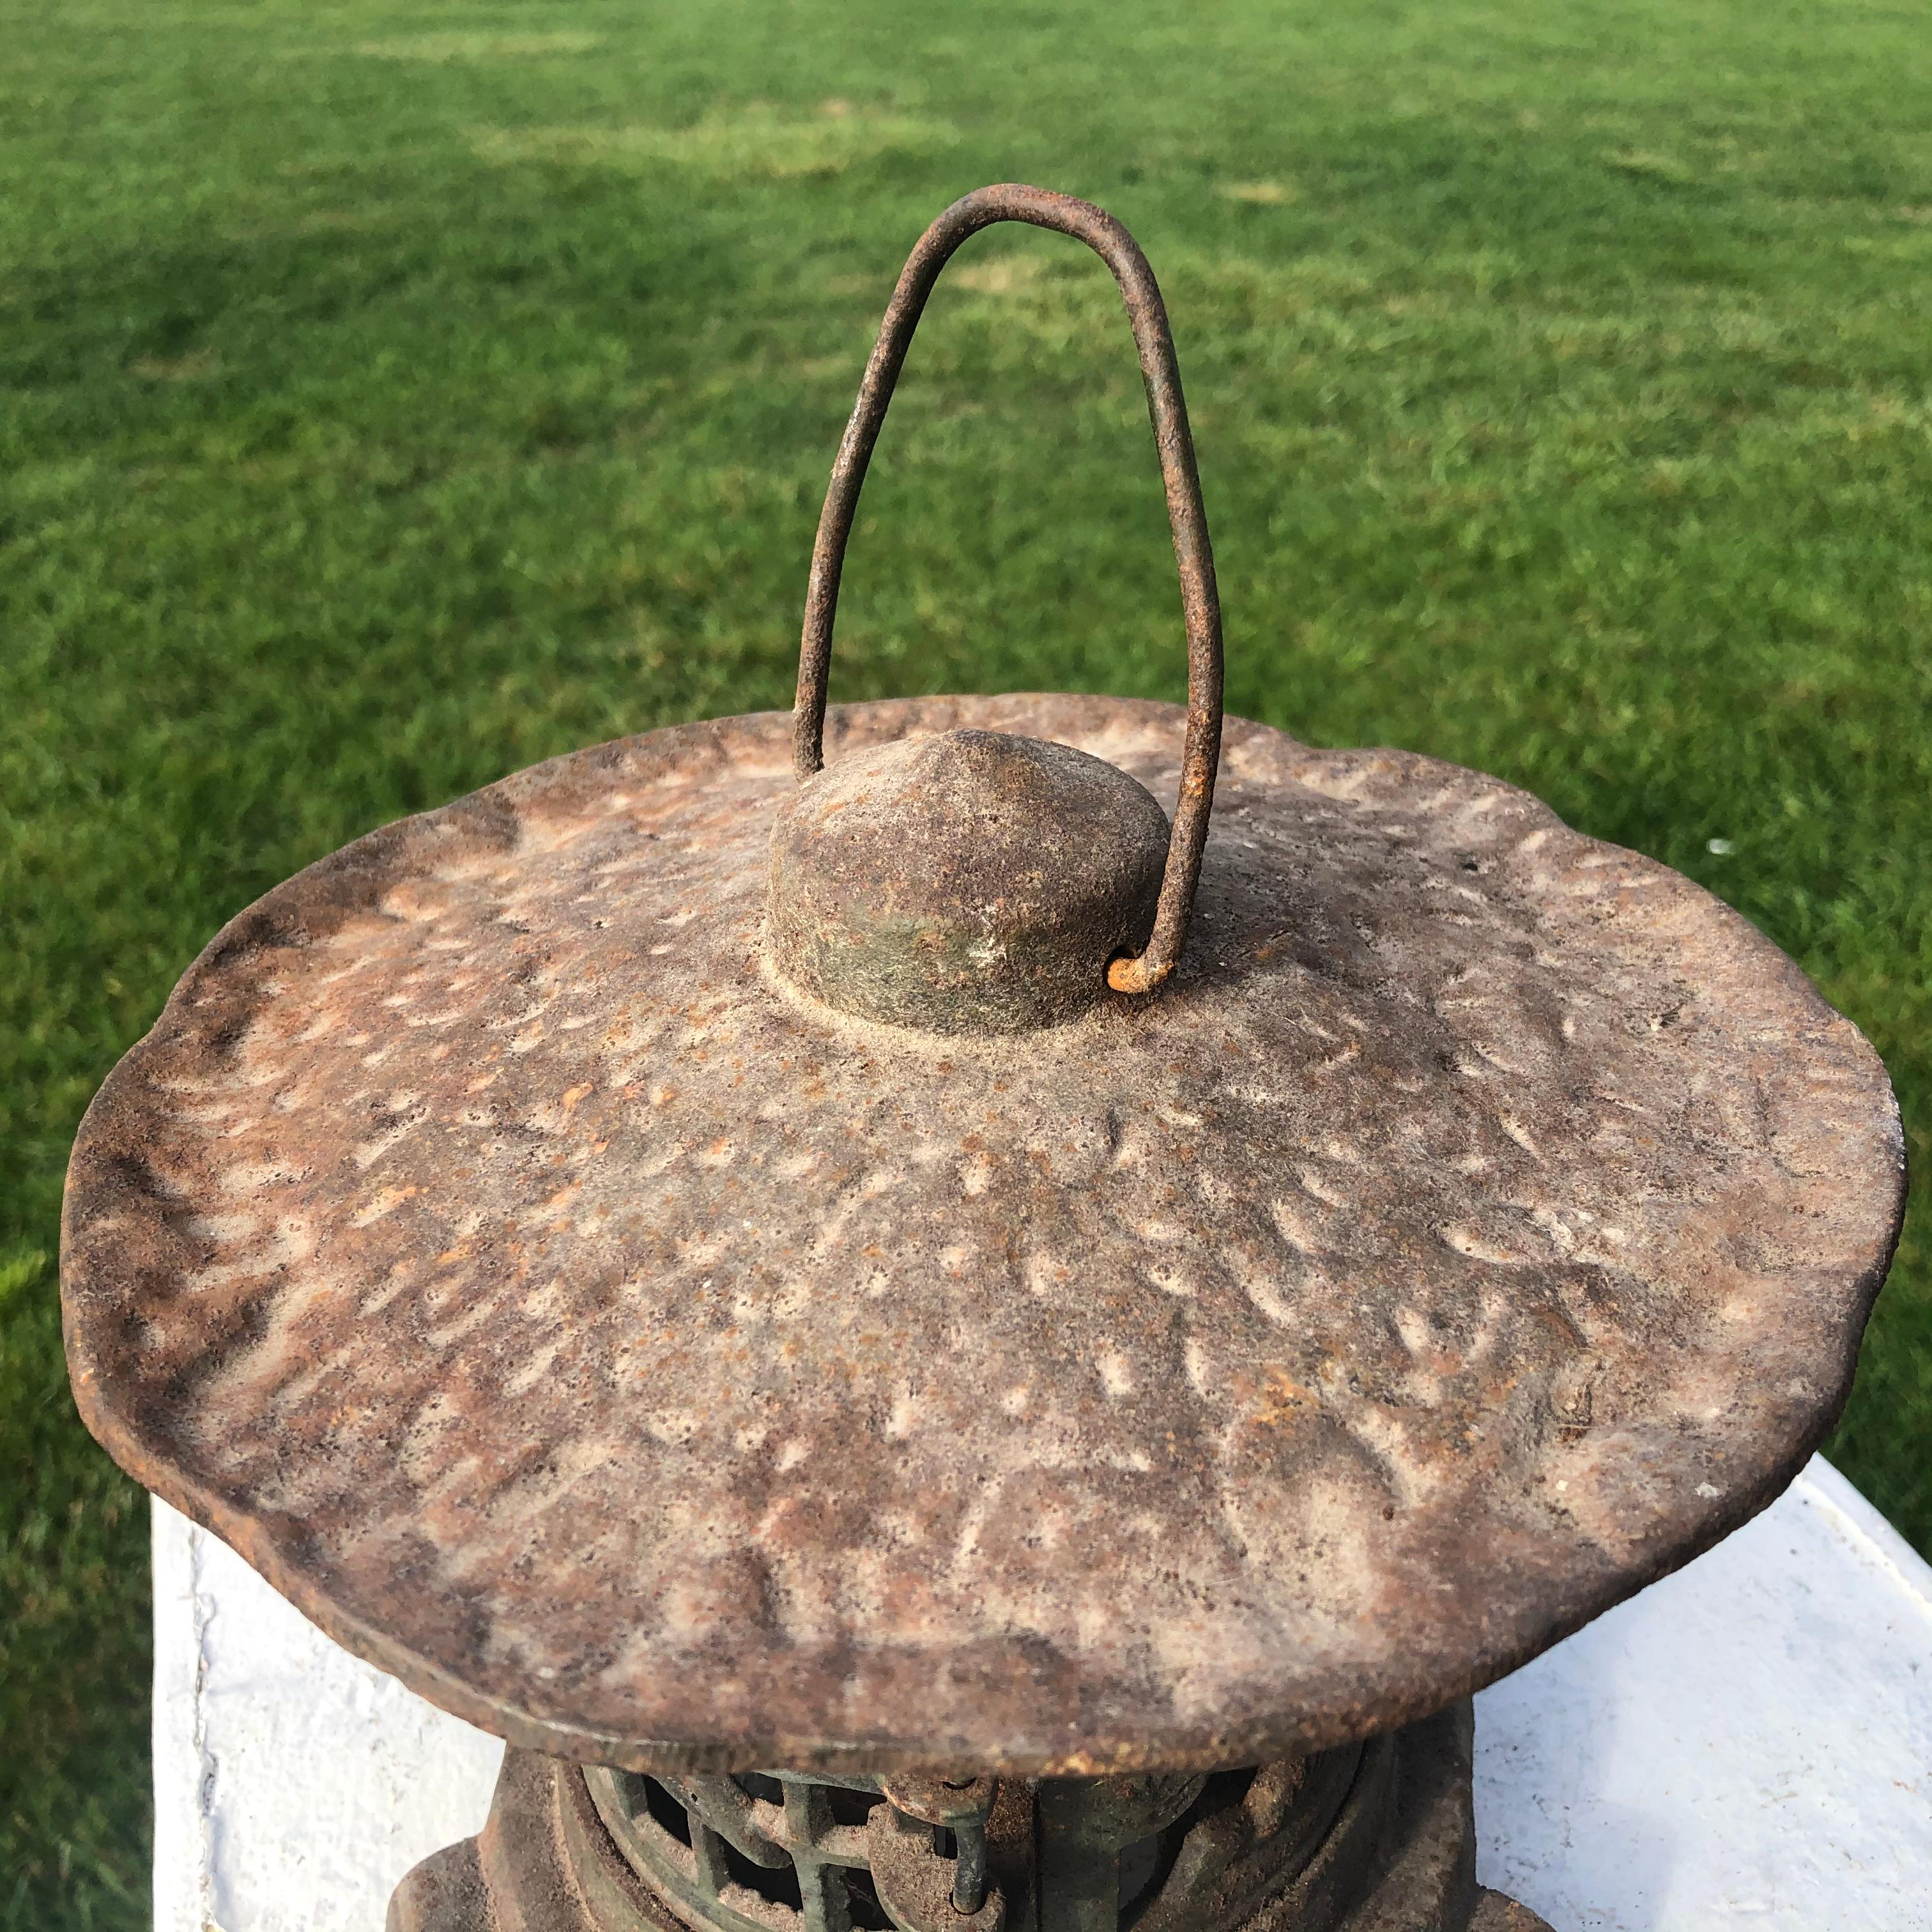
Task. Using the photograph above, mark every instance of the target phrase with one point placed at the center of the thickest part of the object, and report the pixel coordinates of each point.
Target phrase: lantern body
(936, 1349)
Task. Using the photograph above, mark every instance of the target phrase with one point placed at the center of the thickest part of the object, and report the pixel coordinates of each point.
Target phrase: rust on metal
(1373, 1838)
(664, 1370)
(967, 882)
(688, 1258)
(1167, 410)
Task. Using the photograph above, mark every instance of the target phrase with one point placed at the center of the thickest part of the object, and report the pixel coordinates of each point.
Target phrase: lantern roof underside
(656, 1368)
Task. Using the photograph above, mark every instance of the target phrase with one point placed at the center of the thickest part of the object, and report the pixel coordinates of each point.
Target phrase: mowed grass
(391, 396)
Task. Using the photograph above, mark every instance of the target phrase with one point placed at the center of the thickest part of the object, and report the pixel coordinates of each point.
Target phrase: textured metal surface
(1167, 411)
(653, 1367)
(968, 882)
(814, 1856)
(1374, 1838)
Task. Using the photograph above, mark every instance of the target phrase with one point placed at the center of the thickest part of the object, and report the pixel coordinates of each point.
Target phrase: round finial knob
(971, 882)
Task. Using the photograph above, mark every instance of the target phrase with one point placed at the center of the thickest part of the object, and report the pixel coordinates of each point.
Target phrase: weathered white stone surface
(1748, 1743)
(293, 1784)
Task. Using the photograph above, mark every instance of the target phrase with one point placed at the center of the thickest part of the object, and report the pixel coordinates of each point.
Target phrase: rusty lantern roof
(693, 1269)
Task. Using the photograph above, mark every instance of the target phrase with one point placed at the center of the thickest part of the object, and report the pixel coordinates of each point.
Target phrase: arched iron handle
(1200, 601)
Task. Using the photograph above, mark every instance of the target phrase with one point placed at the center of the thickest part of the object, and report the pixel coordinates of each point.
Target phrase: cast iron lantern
(907, 1398)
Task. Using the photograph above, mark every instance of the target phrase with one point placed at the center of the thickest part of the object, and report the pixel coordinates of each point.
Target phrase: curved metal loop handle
(1200, 600)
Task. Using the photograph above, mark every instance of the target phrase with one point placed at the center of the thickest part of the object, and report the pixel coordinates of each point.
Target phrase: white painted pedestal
(1748, 1743)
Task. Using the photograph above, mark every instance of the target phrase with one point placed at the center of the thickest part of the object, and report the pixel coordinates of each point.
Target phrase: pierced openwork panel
(1373, 1838)
(770, 1852)
(757, 1852)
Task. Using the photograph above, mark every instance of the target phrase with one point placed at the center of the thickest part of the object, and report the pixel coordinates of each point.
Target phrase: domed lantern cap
(657, 1365)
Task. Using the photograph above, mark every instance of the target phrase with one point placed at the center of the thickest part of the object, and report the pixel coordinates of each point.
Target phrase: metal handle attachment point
(1167, 411)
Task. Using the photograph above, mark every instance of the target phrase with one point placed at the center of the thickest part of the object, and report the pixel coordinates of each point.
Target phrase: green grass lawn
(392, 395)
